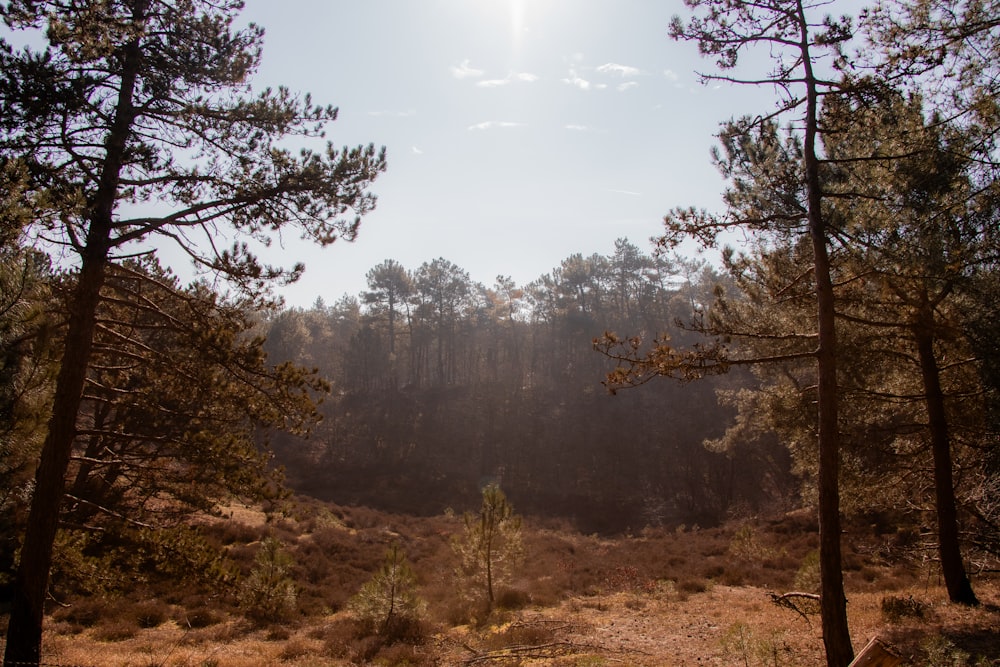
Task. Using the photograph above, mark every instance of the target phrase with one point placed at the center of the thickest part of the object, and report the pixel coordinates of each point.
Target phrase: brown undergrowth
(686, 596)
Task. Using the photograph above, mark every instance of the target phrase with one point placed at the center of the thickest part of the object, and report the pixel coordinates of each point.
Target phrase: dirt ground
(722, 625)
(662, 599)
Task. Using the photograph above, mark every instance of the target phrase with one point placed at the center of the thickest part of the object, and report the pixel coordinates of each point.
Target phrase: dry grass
(722, 626)
(683, 597)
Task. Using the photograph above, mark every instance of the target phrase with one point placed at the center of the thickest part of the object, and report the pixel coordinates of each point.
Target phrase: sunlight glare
(516, 21)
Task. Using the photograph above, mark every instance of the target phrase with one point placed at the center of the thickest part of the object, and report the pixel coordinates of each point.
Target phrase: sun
(516, 9)
(513, 12)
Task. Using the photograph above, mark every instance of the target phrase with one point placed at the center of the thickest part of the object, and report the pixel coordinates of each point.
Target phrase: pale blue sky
(518, 131)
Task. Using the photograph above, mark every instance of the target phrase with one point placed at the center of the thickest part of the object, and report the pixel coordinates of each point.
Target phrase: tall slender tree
(921, 233)
(137, 123)
(441, 289)
(491, 547)
(390, 288)
(798, 40)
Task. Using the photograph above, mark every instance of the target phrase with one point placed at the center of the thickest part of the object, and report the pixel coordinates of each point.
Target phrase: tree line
(441, 384)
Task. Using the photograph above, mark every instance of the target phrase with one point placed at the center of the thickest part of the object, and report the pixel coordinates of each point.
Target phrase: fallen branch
(550, 624)
(793, 600)
(534, 651)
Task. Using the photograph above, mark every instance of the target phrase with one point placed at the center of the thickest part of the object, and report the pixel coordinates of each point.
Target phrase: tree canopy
(135, 123)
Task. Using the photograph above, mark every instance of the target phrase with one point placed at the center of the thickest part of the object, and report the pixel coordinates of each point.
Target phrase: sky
(518, 132)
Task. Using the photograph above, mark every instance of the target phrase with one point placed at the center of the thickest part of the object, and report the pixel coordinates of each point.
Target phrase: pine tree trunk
(489, 566)
(955, 579)
(833, 603)
(24, 630)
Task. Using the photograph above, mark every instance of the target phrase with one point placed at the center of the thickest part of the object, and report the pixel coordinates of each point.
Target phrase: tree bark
(833, 603)
(955, 578)
(24, 630)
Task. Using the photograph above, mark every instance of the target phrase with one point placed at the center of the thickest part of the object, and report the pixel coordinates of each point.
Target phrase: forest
(817, 413)
(440, 385)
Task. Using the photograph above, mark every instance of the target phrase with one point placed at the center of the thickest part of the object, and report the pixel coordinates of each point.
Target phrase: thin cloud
(619, 70)
(416, 151)
(465, 70)
(577, 128)
(490, 124)
(492, 83)
(578, 81)
(622, 87)
(513, 77)
(630, 193)
(670, 75)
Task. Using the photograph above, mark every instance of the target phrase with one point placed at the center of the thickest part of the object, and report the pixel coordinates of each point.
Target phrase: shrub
(734, 576)
(895, 609)
(150, 613)
(201, 617)
(84, 613)
(269, 593)
(513, 599)
(807, 578)
(491, 547)
(691, 586)
(745, 545)
(624, 578)
(387, 603)
(941, 652)
(116, 630)
(714, 570)
(294, 649)
(236, 532)
(743, 645)
(400, 656)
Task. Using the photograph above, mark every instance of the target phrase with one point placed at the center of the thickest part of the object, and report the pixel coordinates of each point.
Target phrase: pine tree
(178, 402)
(921, 234)
(387, 603)
(143, 105)
(491, 547)
(27, 371)
(797, 40)
(269, 593)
